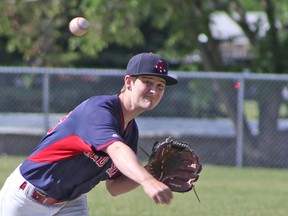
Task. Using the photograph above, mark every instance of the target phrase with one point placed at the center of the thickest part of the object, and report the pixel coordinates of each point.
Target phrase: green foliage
(37, 32)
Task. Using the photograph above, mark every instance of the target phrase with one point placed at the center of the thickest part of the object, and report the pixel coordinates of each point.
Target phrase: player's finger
(161, 200)
(157, 199)
(166, 197)
(166, 201)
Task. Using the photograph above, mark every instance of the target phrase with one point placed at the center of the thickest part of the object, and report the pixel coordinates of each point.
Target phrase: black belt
(40, 196)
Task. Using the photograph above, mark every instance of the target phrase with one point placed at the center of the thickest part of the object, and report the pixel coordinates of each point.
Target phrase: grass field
(224, 191)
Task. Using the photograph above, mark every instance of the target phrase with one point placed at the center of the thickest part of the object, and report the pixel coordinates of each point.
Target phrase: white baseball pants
(17, 202)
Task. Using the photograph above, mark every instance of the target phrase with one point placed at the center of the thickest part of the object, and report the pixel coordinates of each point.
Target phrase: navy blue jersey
(69, 162)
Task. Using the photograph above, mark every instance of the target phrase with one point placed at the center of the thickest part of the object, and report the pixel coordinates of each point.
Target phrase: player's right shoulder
(103, 100)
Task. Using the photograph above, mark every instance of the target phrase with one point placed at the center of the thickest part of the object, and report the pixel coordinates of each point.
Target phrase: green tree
(38, 32)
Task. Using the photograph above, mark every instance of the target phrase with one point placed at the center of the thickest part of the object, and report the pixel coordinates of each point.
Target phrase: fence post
(239, 129)
(45, 101)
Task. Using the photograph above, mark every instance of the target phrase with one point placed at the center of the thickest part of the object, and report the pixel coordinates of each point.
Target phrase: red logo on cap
(160, 66)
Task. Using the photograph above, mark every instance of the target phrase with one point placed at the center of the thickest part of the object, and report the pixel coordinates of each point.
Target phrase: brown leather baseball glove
(175, 164)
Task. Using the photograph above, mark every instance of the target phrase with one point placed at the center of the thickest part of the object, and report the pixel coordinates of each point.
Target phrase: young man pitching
(97, 141)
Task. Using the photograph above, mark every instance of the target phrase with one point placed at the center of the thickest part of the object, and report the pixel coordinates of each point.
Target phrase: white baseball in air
(78, 26)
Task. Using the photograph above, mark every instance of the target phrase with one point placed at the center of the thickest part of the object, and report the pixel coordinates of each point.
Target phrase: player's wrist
(147, 180)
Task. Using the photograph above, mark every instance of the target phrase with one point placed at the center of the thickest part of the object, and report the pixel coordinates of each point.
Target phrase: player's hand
(159, 192)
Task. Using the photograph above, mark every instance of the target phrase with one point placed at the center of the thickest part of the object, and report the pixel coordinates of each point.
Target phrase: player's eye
(152, 83)
(147, 82)
(161, 87)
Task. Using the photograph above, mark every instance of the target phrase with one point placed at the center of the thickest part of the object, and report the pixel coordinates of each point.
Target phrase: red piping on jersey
(122, 120)
(62, 149)
(106, 144)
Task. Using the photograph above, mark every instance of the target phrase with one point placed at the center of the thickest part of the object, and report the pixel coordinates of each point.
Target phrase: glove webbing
(180, 144)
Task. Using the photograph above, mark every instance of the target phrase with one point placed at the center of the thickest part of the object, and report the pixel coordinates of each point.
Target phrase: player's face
(148, 91)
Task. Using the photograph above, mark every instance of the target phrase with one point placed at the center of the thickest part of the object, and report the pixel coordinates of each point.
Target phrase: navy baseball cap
(150, 64)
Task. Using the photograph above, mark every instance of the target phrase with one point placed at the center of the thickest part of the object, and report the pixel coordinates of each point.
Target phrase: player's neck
(129, 112)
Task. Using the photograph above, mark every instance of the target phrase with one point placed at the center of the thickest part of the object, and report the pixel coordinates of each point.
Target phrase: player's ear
(128, 81)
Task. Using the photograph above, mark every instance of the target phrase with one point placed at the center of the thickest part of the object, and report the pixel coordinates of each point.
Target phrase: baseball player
(97, 141)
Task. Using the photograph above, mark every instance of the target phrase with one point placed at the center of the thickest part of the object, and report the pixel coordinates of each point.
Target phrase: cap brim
(169, 80)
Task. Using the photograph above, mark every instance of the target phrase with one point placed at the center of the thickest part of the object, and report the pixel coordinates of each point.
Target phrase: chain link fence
(229, 119)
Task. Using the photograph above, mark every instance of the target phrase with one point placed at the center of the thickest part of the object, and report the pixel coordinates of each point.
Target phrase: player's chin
(150, 105)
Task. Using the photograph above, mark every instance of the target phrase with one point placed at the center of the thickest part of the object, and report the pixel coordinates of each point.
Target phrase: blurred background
(229, 57)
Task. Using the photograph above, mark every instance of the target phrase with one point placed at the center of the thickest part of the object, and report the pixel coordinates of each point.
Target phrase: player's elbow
(111, 188)
(112, 193)
(121, 185)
